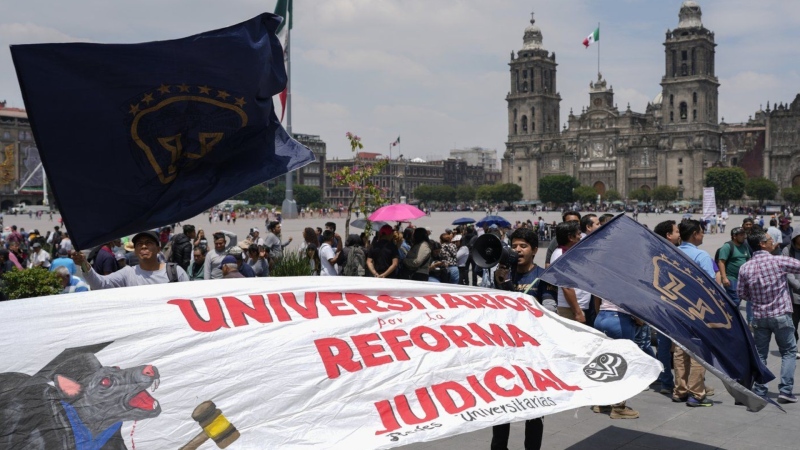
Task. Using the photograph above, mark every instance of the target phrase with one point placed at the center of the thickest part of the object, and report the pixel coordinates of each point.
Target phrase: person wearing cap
(245, 269)
(230, 267)
(383, 257)
(39, 257)
(255, 237)
(149, 270)
(63, 260)
(732, 255)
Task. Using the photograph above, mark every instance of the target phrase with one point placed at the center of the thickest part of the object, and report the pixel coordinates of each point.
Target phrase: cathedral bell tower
(533, 114)
(689, 86)
(533, 100)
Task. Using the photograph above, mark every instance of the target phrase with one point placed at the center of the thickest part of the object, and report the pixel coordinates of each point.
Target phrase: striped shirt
(762, 281)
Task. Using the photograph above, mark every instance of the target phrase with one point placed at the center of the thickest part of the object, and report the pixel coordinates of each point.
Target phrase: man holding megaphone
(515, 272)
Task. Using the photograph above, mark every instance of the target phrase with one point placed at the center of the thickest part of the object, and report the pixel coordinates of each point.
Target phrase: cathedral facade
(673, 142)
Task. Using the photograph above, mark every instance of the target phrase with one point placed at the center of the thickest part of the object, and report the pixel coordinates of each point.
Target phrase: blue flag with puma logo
(648, 277)
(136, 136)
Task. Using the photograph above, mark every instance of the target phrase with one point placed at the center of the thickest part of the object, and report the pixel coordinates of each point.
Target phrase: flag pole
(289, 207)
(598, 49)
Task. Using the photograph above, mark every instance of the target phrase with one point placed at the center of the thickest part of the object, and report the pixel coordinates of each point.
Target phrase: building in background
(313, 174)
(673, 142)
(19, 160)
(478, 156)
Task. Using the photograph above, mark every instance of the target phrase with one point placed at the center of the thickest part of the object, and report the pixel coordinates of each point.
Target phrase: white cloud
(371, 60)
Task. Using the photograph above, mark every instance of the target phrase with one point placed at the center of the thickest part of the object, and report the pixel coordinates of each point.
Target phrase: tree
(507, 192)
(444, 194)
(612, 196)
(643, 195)
(665, 194)
(728, 183)
(484, 193)
(306, 195)
(557, 189)
(35, 282)
(465, 193)
(424, 193)
(761, 188)
(585, 194)
(360, 179)
(256, 195)
(276, 194)
(791, 195)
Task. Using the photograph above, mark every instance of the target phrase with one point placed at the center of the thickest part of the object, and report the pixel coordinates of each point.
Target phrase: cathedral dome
(690, 15)
(657, 101)
(532, 38)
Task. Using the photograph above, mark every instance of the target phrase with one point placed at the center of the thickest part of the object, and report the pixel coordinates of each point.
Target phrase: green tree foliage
(445, 194)
(484, 193)
(34, 282)
(728, 183)
(424, 193)
(306, 195)
(643, 195)
(761, 188)
(665, 194)
(507, 192)
(465, 193)
(791, 195)
(557, 189)
(256, 195)
(612, 196)
(585, 194)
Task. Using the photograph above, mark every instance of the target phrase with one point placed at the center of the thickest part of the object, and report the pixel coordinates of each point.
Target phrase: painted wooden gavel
(215, 427)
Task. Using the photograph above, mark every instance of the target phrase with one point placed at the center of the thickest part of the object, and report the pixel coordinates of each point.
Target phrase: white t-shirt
(583, 297)
(326, 252)
(462, 256)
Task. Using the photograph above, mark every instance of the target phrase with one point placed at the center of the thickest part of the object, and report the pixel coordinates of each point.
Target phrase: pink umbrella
(397, 213)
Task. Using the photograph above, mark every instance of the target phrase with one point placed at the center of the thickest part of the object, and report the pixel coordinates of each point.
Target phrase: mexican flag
(284, 9)
(397, 142)
(592, 38)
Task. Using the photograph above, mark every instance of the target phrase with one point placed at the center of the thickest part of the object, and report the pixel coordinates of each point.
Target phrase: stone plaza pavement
(662, 425)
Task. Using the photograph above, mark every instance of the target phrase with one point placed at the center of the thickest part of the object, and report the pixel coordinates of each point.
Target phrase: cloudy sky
(435, 72)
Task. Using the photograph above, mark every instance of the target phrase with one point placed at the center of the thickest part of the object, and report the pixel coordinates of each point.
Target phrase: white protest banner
(709, 203)
(307, 362)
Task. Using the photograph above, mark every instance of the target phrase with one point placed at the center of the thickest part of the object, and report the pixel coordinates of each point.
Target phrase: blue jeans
(783, 328)
(643, 340)
(731, 291)
(616, 325)
(664, 355)
(454, 276)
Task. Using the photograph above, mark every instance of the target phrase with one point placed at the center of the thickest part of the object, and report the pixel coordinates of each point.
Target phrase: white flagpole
(289, 207)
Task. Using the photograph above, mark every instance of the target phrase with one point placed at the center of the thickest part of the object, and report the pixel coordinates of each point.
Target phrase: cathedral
(674, 142)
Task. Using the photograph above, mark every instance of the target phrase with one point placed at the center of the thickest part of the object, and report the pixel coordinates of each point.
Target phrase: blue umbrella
(494, 220)
(463, 221)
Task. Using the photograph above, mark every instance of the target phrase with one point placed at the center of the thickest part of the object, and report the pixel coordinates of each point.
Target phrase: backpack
(356, 263)
(172, 272)
(716, 255)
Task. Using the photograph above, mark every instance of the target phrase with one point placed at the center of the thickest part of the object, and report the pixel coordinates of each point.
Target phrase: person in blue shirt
(63, 260)
(70, 283)
(689, 374)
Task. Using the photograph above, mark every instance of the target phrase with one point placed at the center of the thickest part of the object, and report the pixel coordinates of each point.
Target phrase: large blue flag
(645, 275)
(135, 136)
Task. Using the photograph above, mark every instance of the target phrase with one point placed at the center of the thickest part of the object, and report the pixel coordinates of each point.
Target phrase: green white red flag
(284, 9)
(592, 38)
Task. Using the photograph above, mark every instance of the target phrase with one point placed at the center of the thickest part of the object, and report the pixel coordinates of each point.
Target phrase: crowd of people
(757, 265)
